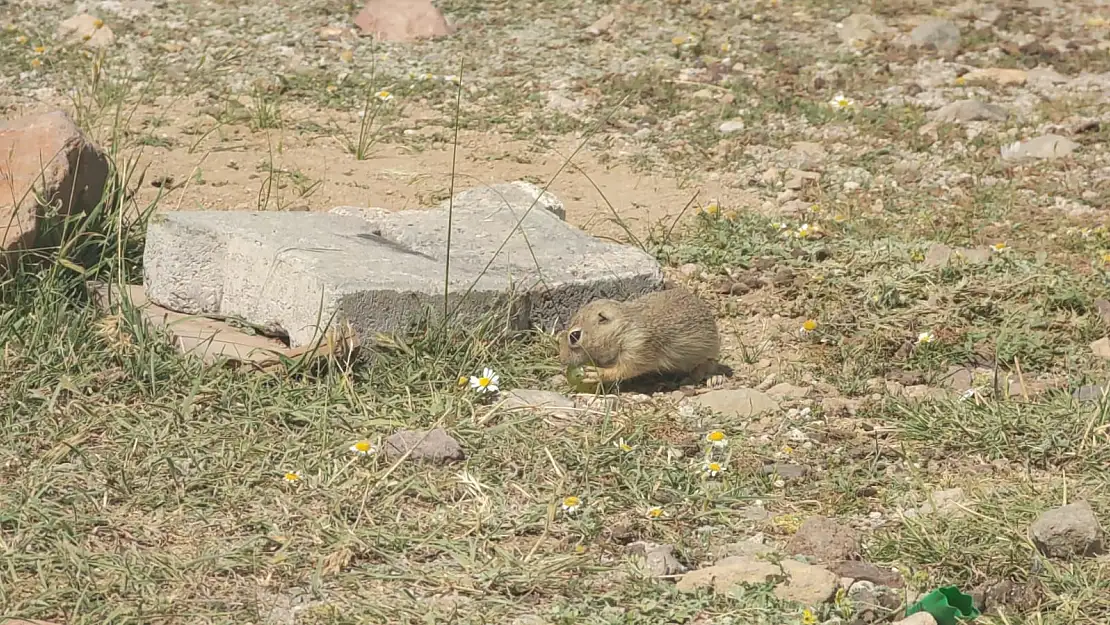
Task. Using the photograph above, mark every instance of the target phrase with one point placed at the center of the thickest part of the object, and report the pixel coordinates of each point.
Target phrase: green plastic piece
(947, 605)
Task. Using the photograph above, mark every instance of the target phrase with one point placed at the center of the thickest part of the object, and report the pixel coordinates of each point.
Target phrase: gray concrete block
(560, 265)
(302, 271)
(382, 271)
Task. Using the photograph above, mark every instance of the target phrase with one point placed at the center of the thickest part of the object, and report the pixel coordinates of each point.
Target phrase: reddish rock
(402, 20)
(46, 155)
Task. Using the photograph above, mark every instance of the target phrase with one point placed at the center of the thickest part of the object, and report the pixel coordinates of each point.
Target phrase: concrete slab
(381, 271)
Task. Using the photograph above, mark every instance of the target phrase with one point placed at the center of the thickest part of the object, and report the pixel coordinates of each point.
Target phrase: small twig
(1021, 379)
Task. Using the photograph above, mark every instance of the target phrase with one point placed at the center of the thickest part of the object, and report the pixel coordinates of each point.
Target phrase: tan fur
(670, 331)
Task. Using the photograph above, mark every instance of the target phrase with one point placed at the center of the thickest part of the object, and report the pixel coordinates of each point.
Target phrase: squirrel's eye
(573, 337)
(601, 318)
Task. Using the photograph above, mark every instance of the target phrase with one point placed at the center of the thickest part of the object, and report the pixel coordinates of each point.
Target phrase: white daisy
(487, 383)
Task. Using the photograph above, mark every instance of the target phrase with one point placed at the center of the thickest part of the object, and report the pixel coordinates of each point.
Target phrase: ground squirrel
(669, 331)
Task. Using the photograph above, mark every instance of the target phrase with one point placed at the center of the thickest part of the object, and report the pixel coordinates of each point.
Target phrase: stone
(381, 272)
(808, 584)
(1046, 76)
(1021, 389)
(872, 602)
(940, 33)
(959, 378)
(797, 179)
(1043, 147)
(944, 501)
(49, 156)
(939, 255)
(825, 539)
(402, 20)
(1067, 531)
(807, 154)
(999, 75)
(562, 104)
(731, 126)
(917, 618)
(86, 30)
(857, 570)
(791, 472)
(658, 560)
(859, 28)
(603, 25)
(1013, 596)
(1090, 393)
(755, 513)
(1103, 308)
(963, 111)
(740, 402)
(1101, 348)
(785, 390)
(544, 402)
(840, 406)
(433, 446)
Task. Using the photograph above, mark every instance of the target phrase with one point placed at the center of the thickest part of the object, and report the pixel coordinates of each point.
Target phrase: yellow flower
(678, 40)
(841, 102)
(36, 63)
(805, 230)
(655, 513)
(363, 448)
(621, 445)
(960, 80)
(98, 23)
(711, 209)
(463, 380)
(787, 449)
(22, 39)
(571, 504)
(331, 88)
(809, 325)
(39, 49)
(1106, 257)
(346, 56)
(713, 469)
(925, 337)
(292, 477)
(838, 218)
(717, 438)
(808, 618)
(384, 95)
(725, 47)
(1000, 247)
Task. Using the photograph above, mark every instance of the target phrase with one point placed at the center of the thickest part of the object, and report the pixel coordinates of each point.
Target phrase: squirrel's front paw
(591, 375)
